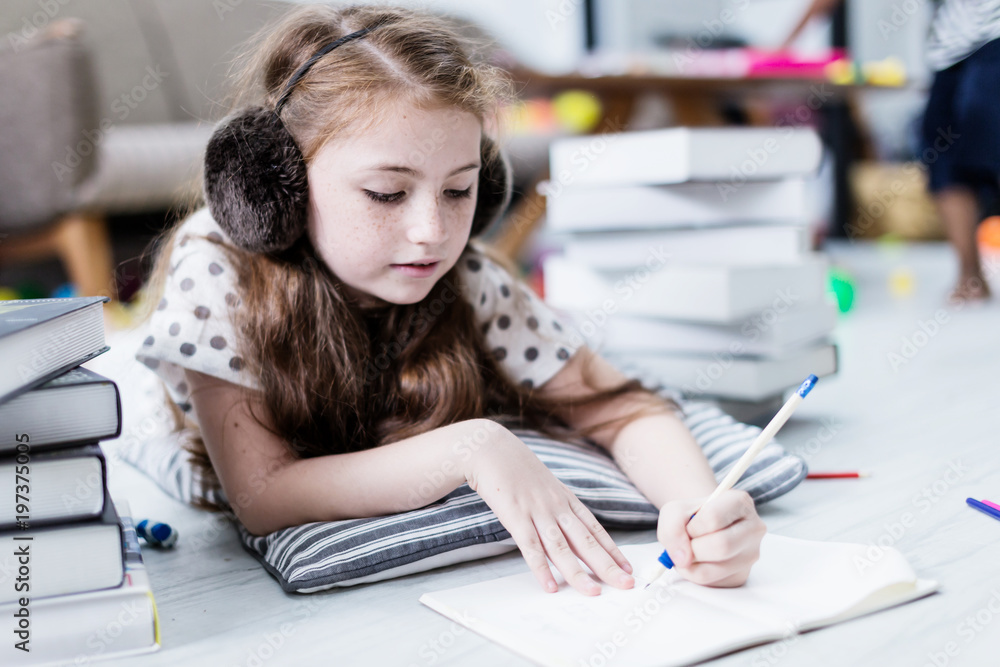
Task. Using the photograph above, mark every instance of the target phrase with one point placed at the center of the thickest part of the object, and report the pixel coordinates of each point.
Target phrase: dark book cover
(12, 413)
(20, 314)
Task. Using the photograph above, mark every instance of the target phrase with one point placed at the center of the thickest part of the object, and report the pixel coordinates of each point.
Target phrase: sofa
(106, 110)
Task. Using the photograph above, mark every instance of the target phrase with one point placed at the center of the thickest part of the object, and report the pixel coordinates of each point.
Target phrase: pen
(985, 509)
(663, 562)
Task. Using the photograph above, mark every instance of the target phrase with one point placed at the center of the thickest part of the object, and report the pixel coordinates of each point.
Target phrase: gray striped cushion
(462, 527)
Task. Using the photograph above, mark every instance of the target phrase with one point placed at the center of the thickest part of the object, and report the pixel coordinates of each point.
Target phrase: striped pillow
(461, 527)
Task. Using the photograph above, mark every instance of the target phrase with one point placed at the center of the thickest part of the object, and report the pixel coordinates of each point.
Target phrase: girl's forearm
(385, 480)
(661, 457)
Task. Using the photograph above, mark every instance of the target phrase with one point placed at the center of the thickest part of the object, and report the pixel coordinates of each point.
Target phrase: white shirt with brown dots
(192, 326)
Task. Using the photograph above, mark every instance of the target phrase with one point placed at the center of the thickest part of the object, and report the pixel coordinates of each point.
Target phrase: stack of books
(685, 254)
(72, 583)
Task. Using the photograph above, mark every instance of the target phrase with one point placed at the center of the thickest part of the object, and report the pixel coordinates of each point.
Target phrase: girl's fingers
(561, 553)
(717, 574)
(595, 528)
(672, 533)
(727, 509)
(533, 553)
(733, 541)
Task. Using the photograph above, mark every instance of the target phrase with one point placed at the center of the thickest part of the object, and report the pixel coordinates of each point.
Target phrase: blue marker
(663, 562)
(156, 534)
(983, 507)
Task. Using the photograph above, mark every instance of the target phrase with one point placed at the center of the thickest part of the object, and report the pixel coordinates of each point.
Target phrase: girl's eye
(383, 197)
(460, 194)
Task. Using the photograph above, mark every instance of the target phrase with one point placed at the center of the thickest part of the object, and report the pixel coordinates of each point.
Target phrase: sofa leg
(83, 244)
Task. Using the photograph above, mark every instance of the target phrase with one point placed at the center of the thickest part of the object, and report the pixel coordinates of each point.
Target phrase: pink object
(991, 504)
(786, 63)
(750, 62)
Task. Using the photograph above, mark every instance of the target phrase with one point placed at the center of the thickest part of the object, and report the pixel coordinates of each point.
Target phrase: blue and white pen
(663, 562)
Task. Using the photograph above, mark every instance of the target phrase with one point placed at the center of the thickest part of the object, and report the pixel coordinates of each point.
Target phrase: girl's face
(398, 194)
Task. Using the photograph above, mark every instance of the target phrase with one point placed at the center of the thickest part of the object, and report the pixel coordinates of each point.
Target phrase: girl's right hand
(544, 517)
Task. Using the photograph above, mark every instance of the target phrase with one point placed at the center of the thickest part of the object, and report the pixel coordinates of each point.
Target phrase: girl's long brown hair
(336, 377)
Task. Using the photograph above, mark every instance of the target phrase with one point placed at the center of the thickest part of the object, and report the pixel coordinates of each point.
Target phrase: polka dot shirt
(192, 327)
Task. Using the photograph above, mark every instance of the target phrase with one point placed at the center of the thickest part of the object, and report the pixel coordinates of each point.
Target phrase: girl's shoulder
(530, 339)
(198, 263)
(192, 324)
(488, 281)
(199, 233)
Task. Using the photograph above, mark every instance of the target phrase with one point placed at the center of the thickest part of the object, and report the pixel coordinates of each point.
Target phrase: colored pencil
(837, 475)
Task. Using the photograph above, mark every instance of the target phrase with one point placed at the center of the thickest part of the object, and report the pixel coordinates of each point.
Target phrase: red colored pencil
(836, 475)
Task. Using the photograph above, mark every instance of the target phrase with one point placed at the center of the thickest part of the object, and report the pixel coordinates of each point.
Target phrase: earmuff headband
(305, 67)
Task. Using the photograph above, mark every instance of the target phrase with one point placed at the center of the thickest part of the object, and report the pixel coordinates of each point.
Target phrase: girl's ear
(256, 185)
(495, 184)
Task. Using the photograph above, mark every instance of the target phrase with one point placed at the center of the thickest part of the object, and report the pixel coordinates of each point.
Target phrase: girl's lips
(416, 271)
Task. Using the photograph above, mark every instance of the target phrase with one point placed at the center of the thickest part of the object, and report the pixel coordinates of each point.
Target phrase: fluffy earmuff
(255, 181)
(495, 186)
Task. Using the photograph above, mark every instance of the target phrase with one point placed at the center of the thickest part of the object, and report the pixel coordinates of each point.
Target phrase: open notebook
(796, 585)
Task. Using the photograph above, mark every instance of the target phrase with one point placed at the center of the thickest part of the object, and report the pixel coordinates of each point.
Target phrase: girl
(337, 339)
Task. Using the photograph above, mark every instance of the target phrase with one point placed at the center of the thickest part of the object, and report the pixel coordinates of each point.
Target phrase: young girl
(339, 349)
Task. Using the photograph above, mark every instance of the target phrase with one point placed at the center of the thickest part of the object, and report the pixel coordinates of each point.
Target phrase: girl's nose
(428, 225)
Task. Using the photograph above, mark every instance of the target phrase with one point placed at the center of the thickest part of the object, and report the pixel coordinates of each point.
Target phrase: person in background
(960, 133)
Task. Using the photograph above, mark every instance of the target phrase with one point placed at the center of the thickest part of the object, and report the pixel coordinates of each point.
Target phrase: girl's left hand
(719, 545)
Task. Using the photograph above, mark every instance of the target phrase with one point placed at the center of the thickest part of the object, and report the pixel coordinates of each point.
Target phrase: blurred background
(107, 106)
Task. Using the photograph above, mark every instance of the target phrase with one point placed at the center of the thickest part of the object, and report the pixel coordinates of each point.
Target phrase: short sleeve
(192, 326)
(530, 340)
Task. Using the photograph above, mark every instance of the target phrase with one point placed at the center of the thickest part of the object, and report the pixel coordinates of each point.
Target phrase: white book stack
(685, 257)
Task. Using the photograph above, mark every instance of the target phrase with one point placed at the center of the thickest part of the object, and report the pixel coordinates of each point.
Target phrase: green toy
(842, 287)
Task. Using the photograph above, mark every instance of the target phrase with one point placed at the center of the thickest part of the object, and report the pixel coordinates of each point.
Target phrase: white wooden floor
(928, 430)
